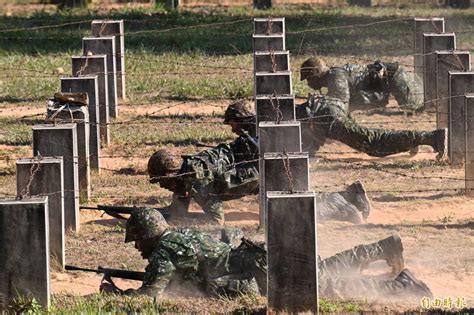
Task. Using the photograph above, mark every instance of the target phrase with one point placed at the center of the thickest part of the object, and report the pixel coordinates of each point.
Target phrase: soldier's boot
(437, 139)
(413, 286)
(392, 252)
(357, 195)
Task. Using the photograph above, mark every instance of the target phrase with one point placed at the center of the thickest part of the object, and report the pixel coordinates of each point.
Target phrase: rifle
(109, 272)
(116, 211)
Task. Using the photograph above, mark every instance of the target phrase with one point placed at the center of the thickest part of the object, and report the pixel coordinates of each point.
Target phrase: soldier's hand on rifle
(107, 285)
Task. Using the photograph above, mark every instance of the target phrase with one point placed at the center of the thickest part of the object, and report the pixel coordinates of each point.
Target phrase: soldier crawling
(217, 268)
(371, 84)
(230, 171)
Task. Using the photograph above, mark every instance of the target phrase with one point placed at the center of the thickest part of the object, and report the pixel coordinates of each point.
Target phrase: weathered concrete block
(285, 136)
(96, 65)
(268, 26)
(360, 3)
(469, 155)
(460, 84)
(24, 250)
(275, 42)
(61, 140)
(262, 4)
(267, 83)
(292, 252)
(115, 28)
(44, 177)
(421, 26)
(172, 3)
(275, 108)
(431, 44)
(265, 61)
(89, 85)
(105, 46)
(80, 116)
(447, 61)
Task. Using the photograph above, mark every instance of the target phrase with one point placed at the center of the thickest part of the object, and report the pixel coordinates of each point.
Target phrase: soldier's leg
(357, 195)
(231, 286)
(383, 142)
(404, 286)
(333, 206)
(406, 89)
(355, 260)
(214, 208)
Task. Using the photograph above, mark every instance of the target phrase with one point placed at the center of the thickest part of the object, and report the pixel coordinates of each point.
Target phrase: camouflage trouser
(406, 88)
(334, 123)
(340, 275)
(247, 273)
(333, 206)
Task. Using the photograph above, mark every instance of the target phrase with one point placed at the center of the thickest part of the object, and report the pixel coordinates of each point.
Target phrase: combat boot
(413, 286)
(392, 252)
(357, 195)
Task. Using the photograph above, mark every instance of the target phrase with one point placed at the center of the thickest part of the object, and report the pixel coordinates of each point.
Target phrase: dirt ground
(414, 196)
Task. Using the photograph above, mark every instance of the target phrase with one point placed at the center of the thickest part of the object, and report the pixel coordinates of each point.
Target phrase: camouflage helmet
(161, 163)
(237, 110)
(312, 67)
(145, 224)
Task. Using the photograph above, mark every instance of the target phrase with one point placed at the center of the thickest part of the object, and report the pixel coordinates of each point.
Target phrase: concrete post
(431, 44)
(80, 116)
(460, 83)
(286, 171)
(105, 46)
(61, 140)
(421, 26)
(96, 65)
(89, 85)
(469, 157)
(275, 108)
(292, 252)
(172, 3)
(268, 26)
(24, 250)
(44, 177)
(267, 83)
(285, 136)
(269, 61)
(115, 28)
(447, 61)
(262, 4)
(275, 42)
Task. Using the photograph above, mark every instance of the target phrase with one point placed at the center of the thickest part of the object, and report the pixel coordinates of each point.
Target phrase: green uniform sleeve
(338, 85)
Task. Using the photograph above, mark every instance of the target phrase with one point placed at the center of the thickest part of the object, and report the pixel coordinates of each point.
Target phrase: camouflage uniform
(324, 117)
(210, 177)
(191, 257)
(340, 275)
(362, 85)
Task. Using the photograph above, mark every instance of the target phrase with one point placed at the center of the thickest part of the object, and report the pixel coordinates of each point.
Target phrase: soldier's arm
(157, 276)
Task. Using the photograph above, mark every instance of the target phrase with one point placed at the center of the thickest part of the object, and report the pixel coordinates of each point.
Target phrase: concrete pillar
(292, 252)
(431, 44)
(275, 42)
(89, 85)
(460, 83)
(285, 136)
(80, 116)
(360, 3)
(105, 46)
(96, 65)
(172, 3)
(421, 26)
(447, 61)
(267, 61)
(44, 177)
(286, 171)
(275, 108)
(262, 4)
(469, 155)
(24, 250)
(268, 26)
(115, 28)
(61, 140)
(267, 83)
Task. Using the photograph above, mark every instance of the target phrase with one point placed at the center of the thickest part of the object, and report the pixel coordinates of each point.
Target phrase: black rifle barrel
(124, 210)
(114, 273)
